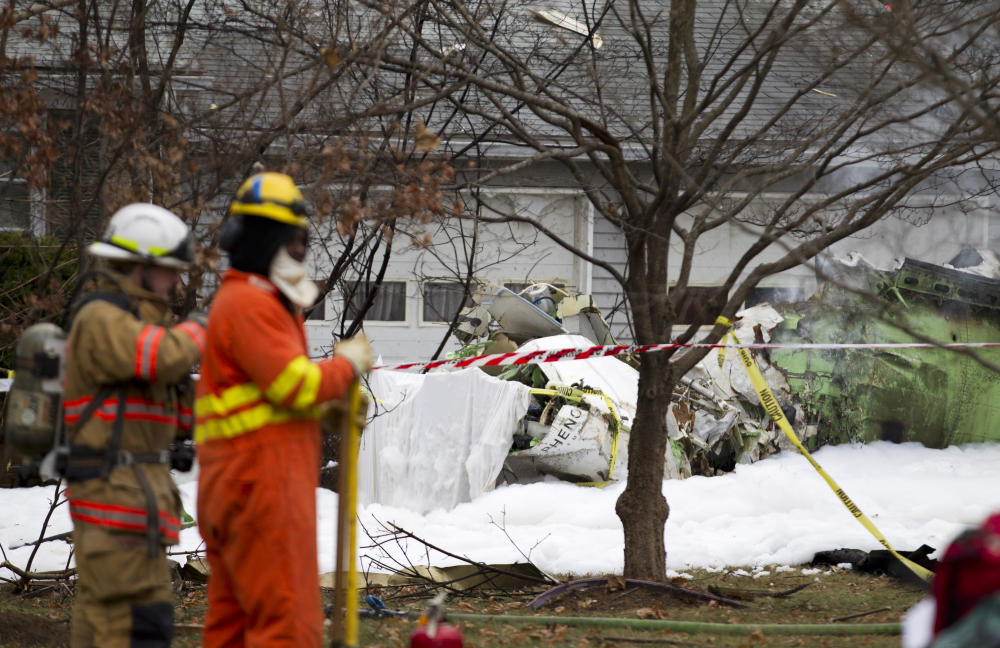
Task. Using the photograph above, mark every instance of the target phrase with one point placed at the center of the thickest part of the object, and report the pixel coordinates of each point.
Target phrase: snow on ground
(777, 511)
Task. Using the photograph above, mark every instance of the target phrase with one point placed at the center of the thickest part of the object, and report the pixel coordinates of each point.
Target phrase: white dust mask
(289, 276)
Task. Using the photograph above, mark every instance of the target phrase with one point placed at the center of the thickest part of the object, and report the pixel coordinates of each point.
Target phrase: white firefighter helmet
(146, 233)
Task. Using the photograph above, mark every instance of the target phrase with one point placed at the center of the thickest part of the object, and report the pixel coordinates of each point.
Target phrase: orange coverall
(259, 440)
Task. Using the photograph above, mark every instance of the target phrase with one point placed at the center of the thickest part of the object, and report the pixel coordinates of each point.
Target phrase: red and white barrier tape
(560, 355)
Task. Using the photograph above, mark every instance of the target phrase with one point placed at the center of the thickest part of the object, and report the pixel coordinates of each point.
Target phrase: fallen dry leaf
(650, 613)
(757, 636)
(560, 609)
(615, 583)
(465, 606)
(425, 140)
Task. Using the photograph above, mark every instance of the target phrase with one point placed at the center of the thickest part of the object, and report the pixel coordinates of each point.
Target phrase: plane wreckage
(938, 397)
(444, 438)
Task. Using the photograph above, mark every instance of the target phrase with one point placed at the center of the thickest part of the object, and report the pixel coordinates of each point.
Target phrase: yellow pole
(350, 501)
(344, 630)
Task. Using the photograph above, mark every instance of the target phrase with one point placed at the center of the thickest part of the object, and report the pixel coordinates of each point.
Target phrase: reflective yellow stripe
(225, 422)
(249, 420)
(288, 379)
(240, 423)
(134, 247)
(309, 388)
(231, 399)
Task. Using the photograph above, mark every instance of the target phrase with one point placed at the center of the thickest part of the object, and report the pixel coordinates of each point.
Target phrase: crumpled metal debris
(578, 424)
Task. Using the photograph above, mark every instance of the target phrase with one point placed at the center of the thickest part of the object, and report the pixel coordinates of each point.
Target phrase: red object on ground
(447, 636)
(968, 573)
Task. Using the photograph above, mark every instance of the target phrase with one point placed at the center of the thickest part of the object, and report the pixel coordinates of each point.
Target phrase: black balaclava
(259, 242)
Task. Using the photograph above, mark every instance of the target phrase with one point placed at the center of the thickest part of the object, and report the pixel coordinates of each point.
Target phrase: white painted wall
(505, 253)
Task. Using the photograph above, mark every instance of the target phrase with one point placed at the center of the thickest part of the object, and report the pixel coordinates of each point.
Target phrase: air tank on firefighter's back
(33, 404)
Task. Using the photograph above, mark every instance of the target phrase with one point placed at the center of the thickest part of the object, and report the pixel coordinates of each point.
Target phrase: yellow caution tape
(773, 409)
(724, 340)
(364, 390)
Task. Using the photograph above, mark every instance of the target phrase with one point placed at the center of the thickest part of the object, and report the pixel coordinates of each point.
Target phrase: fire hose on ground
(695, 627)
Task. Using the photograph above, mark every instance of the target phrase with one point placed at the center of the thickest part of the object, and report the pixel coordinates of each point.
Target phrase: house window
(59, 208)
(15, 199)
(692, 309)
(775, 296)
(389, 304)
(443, 300)
(318, 312)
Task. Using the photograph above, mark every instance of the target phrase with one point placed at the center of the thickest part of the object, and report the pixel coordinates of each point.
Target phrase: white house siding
(609, 246)
(506, 253)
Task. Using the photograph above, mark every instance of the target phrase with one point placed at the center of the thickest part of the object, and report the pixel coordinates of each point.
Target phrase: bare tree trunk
(77, 214)
(642, 507)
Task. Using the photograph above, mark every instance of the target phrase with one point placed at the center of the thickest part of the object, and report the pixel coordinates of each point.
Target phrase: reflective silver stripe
(194, 331)
(167, 524)
(121, 517)
(150, 334)
(109, 409)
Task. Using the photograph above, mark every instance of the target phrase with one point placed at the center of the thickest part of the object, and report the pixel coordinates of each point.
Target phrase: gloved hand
(199, 317)
(333, 414)
(357, 352)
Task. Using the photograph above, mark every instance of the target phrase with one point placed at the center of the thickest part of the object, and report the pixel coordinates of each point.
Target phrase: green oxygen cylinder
(34, 403)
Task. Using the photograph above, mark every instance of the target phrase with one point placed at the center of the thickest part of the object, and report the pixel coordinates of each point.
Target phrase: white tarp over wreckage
(436, 440)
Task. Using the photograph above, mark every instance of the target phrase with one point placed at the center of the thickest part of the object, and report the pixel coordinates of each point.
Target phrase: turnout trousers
(124, 598)
(257, 516)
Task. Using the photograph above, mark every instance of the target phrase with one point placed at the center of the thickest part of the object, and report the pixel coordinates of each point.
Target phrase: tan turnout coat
(111, 346)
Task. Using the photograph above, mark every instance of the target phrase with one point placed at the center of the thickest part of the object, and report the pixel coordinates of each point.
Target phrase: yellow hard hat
(271, 195)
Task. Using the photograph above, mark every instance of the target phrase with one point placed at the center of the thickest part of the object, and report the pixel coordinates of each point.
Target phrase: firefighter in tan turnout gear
(126, 402)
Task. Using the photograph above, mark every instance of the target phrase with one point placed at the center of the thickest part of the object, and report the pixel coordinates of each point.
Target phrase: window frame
(421, 322)
(680, 328)
(36, 207)
(780, 286)
(324, 321)
(339, 296)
